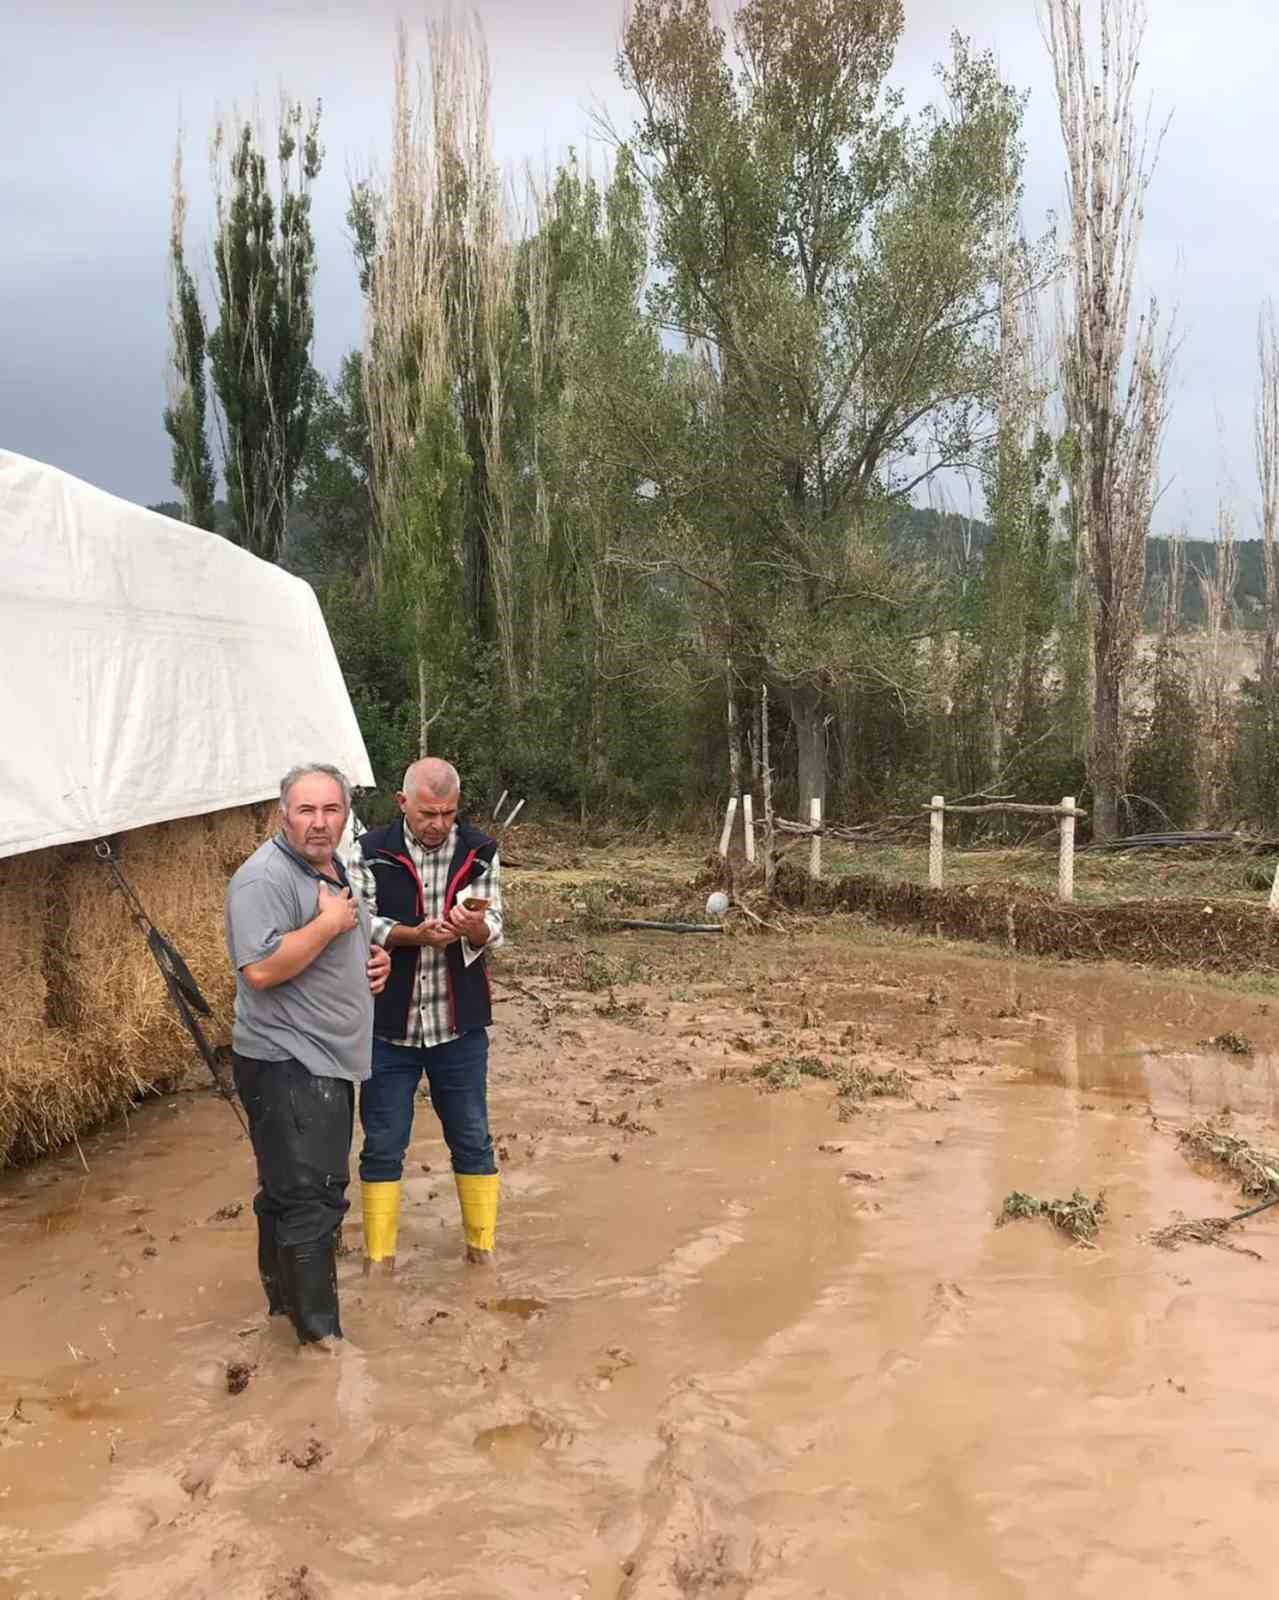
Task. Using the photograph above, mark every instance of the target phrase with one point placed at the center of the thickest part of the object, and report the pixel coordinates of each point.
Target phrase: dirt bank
(1222, 936)
(742, 1343)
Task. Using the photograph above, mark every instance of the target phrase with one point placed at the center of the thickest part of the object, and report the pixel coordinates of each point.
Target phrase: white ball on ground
(717, 904)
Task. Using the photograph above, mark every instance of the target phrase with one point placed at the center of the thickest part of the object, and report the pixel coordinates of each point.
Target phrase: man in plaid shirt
(432, 887)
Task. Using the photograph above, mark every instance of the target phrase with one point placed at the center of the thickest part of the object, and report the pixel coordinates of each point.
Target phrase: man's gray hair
(314, 769)
(435, 776)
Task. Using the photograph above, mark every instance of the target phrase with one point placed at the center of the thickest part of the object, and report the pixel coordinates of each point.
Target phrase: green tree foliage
(186, 415)
(334, 494)
(1163, 769)
(635, 440)
(260, 352)
(831, 265)
(1254, 787)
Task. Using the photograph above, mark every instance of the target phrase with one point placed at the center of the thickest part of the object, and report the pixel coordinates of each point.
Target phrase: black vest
(399, 896)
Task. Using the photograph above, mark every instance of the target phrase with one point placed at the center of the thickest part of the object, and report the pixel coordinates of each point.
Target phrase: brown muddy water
(735, 1347)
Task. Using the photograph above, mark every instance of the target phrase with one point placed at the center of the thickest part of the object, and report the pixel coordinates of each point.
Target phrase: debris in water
(1079, 1216)
(1256, 1169)
(228, 1212)
(312, 1453)
(295, 1585)
(239, 1374)
(788, 1072)
(1199, 1230)
(629, 1124)
(864, 1083)
(526, 1307)
(1233, 1044)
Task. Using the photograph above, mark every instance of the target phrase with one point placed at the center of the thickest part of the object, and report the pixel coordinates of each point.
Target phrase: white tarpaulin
(150, 670)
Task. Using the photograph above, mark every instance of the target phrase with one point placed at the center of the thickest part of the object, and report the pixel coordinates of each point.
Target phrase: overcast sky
(87, 132)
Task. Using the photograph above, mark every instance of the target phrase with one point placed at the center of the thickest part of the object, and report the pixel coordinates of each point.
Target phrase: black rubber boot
(269, 1267)
(310, 1278)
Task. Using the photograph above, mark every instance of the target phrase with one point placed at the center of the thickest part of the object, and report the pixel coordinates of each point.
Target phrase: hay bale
(86, 1027)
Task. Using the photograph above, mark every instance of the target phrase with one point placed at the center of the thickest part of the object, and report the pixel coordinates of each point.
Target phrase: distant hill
(300, 525)
(953, 540)
(221, 514)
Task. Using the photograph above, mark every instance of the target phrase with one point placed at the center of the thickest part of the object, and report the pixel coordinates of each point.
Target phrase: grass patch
(1079, 1216)
(1100, 879)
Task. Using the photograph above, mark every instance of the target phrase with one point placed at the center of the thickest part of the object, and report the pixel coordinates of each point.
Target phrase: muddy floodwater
(736, 1346)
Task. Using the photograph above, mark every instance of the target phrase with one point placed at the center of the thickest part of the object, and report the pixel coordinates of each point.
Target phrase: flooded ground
(736, 1346)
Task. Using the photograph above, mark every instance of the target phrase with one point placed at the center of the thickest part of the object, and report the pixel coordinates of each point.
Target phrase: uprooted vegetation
(1256, 1169)
(1199, 1230)
(852, 1083)
(1079, 1216)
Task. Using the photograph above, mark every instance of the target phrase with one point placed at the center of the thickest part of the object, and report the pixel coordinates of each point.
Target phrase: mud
(764, 1354)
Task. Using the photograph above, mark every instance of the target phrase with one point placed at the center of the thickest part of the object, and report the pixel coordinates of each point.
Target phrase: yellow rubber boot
(381, 1224)
(477, 1195)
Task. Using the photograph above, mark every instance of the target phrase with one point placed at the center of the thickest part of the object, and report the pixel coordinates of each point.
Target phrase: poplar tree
(264, 265)
(186, 415)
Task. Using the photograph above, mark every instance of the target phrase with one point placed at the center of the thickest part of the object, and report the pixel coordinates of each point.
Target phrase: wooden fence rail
(815, 829)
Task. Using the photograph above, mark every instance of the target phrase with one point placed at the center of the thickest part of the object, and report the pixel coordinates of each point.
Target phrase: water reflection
(1100, 1059)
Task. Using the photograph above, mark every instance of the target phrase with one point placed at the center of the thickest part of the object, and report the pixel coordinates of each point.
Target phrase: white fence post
(748, 822)
(936, 841)
(1274, 893)
(815, 847)
(1066, 858)
(728, 825)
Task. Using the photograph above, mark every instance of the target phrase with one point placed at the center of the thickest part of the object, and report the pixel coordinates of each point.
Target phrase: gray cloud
(86, 143)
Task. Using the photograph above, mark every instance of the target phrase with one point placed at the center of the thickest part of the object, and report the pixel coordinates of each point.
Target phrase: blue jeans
(457, 1076)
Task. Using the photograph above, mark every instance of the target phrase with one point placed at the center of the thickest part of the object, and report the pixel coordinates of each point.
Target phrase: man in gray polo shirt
(305, 980)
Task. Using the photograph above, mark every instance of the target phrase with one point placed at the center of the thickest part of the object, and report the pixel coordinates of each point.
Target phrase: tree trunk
(423, 720)
(1107, 765)
(594, 732)
(998, 715)
(766, 783)
(805, 706)
(757, 746)
(734, 732)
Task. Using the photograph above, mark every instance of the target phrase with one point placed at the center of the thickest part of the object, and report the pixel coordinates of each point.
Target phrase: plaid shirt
(429, 1007)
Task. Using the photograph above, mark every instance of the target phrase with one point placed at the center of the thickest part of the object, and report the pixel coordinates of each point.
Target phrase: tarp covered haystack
(158, 682)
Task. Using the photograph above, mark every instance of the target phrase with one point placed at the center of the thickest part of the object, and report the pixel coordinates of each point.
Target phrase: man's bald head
(429, 800)
(434, 777)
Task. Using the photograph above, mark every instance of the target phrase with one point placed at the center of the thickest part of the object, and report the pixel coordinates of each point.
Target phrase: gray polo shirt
(323, 1017)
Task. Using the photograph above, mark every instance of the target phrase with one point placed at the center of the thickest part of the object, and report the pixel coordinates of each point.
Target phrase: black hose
(179, 981)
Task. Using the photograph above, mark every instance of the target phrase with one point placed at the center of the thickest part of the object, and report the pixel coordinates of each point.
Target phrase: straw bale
(86, 1027)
